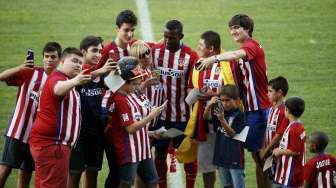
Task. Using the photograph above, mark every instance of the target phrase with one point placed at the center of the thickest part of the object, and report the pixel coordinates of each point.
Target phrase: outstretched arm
(227, 56)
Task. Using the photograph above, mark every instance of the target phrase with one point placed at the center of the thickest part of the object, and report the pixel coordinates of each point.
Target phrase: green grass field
(298, 37)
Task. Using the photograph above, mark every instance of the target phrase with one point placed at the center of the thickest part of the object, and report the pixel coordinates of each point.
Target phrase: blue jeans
(234, 177)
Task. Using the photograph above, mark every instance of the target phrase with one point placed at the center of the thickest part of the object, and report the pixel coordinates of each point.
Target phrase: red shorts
(51, 165)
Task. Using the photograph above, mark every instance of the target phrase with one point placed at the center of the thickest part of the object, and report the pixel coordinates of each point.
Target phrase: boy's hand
(27, 64)
(156, 111)
(82, 78)
(206, 63)
(277, 152)
(109, 66)
(213, 100)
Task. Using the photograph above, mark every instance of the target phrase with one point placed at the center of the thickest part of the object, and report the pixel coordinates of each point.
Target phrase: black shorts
(144, 169)
(16, 154)
(87, 154)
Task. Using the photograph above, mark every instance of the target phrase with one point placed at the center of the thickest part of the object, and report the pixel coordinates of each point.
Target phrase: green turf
(298, 37)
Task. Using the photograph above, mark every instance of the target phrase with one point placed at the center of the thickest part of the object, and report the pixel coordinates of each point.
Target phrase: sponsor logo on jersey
(171, 72)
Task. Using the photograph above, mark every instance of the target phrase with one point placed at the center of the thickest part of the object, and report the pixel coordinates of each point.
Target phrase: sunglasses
(145, 54)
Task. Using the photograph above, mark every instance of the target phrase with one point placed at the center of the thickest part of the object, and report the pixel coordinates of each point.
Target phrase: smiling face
(239, 34)
(202, 49)
(93, 54)
(71, 65)
(125, 32)
(50, 61)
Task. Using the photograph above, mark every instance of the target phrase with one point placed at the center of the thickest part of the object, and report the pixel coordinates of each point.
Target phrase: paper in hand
(114, 81)
(172, 133)
(268, 163)
(192, 96)
(242, 135)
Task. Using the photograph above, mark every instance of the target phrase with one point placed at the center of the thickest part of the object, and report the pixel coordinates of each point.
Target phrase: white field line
(174, 179)
(145, 21)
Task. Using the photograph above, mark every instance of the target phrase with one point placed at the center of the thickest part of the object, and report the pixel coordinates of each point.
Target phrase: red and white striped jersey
(129, 108)
(154, 94)
(30, 83)
(175, 72)
(211, 79)
(117, 52)
(276, 123)
(320, 171)
(252, 76)
(58, 118)
(289, 169)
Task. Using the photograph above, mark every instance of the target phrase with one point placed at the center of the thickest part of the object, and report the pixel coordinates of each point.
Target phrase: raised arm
(63, 87)
(28, 64)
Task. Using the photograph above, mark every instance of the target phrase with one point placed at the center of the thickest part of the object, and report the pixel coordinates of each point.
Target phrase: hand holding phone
(29, 63)
(86, 71)
(30, 55)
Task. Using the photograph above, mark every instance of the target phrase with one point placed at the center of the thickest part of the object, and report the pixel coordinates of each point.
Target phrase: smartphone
(30, 55)
(111, 54)
(219, 106)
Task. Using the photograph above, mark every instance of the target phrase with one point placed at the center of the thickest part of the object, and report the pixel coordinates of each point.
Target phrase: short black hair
(279, 83)
(126, 16)
(70, 50)
(175, 26)
(52, 47)
(230, 91)
(212, 39)
(320, 139)
(295, 106)
(243, 21)
(90, 41)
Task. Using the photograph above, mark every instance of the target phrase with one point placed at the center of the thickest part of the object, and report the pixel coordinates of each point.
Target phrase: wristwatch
(217, 60)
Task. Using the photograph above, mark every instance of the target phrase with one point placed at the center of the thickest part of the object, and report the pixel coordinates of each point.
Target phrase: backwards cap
(129, 68)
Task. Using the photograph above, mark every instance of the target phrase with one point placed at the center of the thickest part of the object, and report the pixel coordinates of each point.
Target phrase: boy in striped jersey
(319, 171)
(276, 122)
(30, 81)
(131, 113)
(291, 152)
(210, 81)
(57, 124)
(250, 73)
(126, 23)
(175, 61)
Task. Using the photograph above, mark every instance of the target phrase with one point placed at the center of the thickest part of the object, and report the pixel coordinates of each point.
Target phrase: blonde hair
(139, 48)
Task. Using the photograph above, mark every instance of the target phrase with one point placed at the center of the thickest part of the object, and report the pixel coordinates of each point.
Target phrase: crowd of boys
(66, 117)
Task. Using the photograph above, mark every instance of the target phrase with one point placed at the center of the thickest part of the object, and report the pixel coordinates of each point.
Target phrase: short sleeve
(239, 123)
(52, 83)
(296, 139)
(282, 123)
(250, 49)
(309, 171)
(124, 111)
(20, 77)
